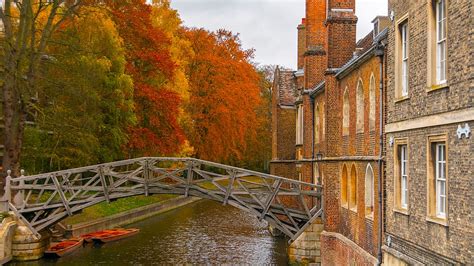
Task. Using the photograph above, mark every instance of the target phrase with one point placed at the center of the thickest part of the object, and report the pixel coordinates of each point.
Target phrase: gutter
(379, 51)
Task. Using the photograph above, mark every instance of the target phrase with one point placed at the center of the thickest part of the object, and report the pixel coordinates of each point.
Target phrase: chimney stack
(301, 43)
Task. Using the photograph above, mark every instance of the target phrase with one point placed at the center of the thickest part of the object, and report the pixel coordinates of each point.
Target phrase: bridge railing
(44, 199)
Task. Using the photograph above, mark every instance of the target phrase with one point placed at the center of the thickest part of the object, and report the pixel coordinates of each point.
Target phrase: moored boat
(64, 247)
(88, 237)
(115, 235)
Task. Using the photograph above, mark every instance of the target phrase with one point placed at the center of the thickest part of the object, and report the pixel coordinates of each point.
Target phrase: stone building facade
(429, 151)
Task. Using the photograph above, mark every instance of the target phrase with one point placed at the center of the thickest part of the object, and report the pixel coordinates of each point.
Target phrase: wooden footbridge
(45, 199)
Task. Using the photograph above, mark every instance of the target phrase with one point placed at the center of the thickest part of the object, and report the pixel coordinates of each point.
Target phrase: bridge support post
(307, 247)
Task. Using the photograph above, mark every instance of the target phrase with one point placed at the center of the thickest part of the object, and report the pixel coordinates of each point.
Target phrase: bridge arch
(283, 203)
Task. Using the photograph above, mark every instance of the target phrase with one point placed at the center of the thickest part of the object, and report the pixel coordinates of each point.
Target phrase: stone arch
(345, 112)
(372, 102)
(369, 189)
(353, 188)
(360, 107)
(344, 183)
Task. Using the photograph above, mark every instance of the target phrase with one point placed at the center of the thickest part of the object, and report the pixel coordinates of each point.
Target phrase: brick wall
(413, 235)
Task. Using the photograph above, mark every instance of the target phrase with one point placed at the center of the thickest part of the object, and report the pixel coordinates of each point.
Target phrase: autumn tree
(27, 29)
(150, 63)
(224, 96)
(85, 104)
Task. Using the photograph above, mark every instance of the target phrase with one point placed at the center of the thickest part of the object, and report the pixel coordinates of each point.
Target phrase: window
(401, 59)
(345, 113)
(437, 44)
(440, 41)
(404, 36)
(372, 103)
(316, 124)
(344, 186)
(440, 174)
(353, 189)
(401, 175)
(360, 107)
(369, 190)
(437, 178)
(299, 125)
(404, 177)
(323, 122)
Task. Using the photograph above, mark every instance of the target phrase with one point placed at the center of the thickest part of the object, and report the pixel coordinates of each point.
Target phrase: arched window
(345, 113)
(344, 186)
(360, 107)
(323, 123)
(372, 103)
(316, 124)
(353, 189)
(369, 190)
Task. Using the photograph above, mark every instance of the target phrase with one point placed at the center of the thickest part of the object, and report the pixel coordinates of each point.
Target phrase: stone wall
(307, 247)
(7, 230)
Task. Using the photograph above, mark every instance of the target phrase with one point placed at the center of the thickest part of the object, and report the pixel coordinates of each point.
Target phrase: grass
(3, 215)
(105, 209)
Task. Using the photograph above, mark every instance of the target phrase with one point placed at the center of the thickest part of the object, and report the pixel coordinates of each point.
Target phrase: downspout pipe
(380, 53)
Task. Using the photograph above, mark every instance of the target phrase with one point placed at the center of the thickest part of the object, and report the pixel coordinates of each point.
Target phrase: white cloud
(269, 26)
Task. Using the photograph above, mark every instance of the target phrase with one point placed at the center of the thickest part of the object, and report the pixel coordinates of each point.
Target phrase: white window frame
(440, 175)
(404, 58)
(441, 47)
(403, 177)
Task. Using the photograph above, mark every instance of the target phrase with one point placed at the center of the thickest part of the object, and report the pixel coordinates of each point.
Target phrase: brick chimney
(341, 26)
(316, 47)
(301, 43)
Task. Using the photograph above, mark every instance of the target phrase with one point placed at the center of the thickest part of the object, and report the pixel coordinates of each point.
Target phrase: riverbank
(76, 226)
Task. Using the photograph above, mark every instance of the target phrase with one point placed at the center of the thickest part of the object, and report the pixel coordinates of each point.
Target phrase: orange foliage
(150, 64)
(224, 94)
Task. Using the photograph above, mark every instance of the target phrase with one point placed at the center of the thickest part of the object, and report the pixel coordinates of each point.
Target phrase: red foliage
(149, 63)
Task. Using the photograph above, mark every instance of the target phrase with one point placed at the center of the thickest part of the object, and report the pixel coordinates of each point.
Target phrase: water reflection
(204, 232)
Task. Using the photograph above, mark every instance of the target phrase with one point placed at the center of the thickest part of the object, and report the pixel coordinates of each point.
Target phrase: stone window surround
(398, 58)
(397, 206)
(360, 106)
(369, 209)
(345, 112)
(431, 212)
(344, 185)
(432, 83)
(317, 124)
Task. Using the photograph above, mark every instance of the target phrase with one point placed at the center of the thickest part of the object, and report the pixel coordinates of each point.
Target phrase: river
(204, 232)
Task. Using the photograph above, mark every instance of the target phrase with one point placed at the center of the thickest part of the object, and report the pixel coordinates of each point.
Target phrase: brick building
(338, 129)
(429, 153)
(384, 125)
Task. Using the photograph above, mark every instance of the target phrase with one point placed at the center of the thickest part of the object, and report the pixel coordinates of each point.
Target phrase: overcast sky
(268, 26)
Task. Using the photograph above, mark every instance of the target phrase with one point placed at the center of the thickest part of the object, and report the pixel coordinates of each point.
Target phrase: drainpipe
(312, 140)
(380, 53)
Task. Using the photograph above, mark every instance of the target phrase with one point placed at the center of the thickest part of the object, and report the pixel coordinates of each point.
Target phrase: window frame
(346, 112)
(299, 125)
(360, 106)
(433, 214)
(441, 41)
(317, 124)
(398, 188)
(370, 214)
(402, 90)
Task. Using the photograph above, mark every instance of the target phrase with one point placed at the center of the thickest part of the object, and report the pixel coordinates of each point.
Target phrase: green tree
(86, 104)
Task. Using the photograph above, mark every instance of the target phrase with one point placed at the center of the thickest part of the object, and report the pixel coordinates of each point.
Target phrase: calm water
(204, 232)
